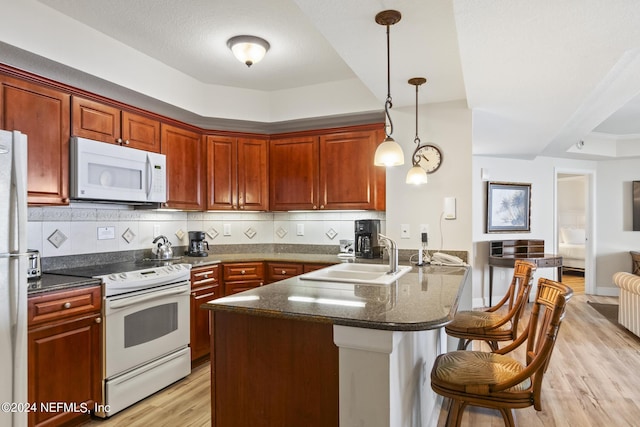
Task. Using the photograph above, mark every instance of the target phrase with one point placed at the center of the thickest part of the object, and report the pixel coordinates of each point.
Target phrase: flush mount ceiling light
(417, 175)
(389, 153)
(248, 49)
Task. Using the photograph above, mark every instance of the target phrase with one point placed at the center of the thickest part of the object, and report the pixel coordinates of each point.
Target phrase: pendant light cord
(388, 104)
(416, 160)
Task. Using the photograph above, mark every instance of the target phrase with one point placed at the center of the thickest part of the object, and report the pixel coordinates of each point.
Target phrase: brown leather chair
(497, 380)
(500, 322)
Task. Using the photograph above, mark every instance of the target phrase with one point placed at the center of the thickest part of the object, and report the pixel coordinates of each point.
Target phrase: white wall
(613, 238)
(447, 125)
(615, 235)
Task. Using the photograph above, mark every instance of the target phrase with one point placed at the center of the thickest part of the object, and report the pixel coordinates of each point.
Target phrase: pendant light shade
(248, 49)
(389, 153)
(416, 175)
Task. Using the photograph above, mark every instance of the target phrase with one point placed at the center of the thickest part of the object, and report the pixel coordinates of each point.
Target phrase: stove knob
(112, 277)
(169, 267)
(123, 275)
(178, 267)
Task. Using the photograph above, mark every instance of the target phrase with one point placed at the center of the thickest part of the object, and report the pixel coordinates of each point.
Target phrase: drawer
(281, 271)
(64, 304)
(207, 275)
(244, 271)
(314, 267)
(241, 286)
(549, 262)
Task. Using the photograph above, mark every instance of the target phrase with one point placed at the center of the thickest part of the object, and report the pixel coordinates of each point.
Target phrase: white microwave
(101, 171)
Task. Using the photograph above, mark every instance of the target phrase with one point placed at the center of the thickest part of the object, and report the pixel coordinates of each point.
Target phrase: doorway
(574, 228)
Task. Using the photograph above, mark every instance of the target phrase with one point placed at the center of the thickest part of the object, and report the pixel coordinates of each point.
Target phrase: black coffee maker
(366, 238)
(197, 244)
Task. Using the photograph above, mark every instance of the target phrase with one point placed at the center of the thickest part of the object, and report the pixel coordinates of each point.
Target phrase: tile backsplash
(92, 228)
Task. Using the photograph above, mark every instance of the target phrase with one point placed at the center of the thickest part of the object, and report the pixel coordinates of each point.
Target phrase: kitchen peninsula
(302, 352)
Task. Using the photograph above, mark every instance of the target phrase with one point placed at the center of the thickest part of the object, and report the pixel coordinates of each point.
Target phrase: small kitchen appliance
(35, 270)
(366, 238)
(197, 244)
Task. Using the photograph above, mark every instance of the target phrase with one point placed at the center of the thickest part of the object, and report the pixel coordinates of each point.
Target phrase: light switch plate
(226, 229)
(299, 229)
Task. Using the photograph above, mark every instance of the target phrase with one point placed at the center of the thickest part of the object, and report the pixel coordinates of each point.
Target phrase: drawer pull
(66, 305)
(242, 272)
(98, 320)
(283, 272)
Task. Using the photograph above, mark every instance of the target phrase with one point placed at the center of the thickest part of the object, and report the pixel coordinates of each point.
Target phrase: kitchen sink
(357, 273)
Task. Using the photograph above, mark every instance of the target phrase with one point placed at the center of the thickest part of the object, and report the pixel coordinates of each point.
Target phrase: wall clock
(429, 157)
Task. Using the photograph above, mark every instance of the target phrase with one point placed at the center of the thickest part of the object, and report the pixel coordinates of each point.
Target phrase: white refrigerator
(13, 278)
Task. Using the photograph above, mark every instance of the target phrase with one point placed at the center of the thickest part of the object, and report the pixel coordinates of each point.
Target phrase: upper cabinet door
(43, 115)
(185, 167)
(222, 189)
(253, 174)
(94, 120)
(101, 122)
(348, 177)
(293, 173)
(140, 132)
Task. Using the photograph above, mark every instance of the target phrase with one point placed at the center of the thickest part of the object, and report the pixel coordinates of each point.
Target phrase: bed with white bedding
(572, 248)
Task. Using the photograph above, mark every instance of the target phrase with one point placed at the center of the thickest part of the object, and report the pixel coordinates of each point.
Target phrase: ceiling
(539, 75)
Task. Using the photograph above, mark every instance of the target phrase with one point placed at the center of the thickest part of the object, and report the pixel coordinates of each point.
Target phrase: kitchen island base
(269, 371)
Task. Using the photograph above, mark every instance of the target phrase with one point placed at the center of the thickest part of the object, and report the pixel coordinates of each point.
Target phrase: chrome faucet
(392, 248)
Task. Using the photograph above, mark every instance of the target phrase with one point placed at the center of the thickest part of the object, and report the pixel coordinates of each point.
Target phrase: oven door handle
(128, 302)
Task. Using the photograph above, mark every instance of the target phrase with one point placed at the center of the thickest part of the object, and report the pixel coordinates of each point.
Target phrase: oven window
(149, 324)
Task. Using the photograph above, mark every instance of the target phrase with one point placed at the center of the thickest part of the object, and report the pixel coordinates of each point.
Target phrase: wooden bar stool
(494, 324)
(497, 380)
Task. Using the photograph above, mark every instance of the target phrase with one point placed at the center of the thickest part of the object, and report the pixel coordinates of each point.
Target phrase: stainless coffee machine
(197, 244)
(366, 238)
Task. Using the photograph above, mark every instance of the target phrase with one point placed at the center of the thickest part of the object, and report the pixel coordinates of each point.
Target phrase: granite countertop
(424, 298)
(269, 257)
(56, 282)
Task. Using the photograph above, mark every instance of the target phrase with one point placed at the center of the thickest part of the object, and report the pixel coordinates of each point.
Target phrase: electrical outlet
(226, 229)
(299, 229)
(405, 231)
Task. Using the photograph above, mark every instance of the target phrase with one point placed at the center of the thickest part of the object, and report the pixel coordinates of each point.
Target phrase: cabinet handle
(315, 207)
(261, 283)
(242, 207)
(66, 305)
(321, 206)
(119, 140)
(193, 294)
(206, 276)
(126, 142)
(283, 272)
(98, 320)
(242, 272)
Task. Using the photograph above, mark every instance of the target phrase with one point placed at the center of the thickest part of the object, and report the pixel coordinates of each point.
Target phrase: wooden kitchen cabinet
(65, 354)
(293, 173)
(185, 167)
(205, 286)
(241, 276)
(237, 173)
(280, 270)
(102, 122)
(284, 270)
(330, 170)
(348, 177)
(43, 115)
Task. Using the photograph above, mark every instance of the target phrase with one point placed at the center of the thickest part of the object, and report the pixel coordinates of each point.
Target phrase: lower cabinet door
(200, 326)
(65, 366)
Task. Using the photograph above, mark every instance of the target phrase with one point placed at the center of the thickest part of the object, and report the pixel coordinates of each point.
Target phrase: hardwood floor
(592, 381)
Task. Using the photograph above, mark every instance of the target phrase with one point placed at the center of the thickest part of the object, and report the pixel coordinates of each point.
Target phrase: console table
(504, 253)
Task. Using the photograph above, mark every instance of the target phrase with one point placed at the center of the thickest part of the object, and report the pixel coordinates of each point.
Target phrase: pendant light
(389, 153)
(416, 175)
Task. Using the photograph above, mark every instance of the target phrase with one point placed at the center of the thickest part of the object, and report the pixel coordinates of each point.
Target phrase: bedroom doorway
(574, 227)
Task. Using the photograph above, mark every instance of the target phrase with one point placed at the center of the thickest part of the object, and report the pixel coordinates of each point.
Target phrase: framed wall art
(508, 207)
